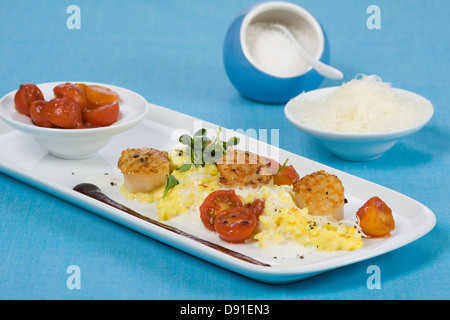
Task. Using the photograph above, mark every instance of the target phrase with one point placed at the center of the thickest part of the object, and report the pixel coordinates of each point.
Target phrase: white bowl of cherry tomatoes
(72, 120)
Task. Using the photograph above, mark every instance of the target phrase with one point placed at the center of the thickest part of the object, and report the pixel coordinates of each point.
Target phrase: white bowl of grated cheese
(360, 120)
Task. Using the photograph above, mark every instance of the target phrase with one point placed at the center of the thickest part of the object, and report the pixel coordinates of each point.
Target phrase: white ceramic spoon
(322, 68)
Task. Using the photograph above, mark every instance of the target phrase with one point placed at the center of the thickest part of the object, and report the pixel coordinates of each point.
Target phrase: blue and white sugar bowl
(263, 63)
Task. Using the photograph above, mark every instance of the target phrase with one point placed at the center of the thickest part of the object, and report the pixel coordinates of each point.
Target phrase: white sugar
(274, 52)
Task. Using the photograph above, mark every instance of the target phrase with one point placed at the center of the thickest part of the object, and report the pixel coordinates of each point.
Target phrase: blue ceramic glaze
(256, 84)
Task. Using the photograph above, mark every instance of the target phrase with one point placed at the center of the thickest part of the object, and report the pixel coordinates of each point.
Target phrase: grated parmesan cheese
(365, 104)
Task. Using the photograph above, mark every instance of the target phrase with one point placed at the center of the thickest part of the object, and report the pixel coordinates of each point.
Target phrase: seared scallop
(144, 169)
(322, 193)
(239, 168)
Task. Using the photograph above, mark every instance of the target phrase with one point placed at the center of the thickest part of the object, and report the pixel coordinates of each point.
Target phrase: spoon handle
(322, 68)
(328, 71)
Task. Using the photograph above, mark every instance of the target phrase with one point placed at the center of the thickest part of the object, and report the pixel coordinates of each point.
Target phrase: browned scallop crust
(144, 169)
(322, 193)
(239, 168)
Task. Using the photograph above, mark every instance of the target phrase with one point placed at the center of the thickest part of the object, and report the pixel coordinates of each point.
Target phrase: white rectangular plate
(24, 159)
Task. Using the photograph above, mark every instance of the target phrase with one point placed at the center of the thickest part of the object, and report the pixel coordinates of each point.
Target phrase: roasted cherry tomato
(274, 165)
(64, 113)
(98, 95)
(375, 218)
(38, 114)
(72, 92)
(102, 116)
(216, 202)
(26, 94)
(235, 224)
(286, 176)
(257, 207)
(83, 87)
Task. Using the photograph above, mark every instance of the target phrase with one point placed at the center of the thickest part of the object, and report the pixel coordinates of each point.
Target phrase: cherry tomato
(38, 114)
(274, 165)
(98, 95)
(216, 202)
(235, 224)
(257, 207)
(71, 92)
(83, 87)
(285, 176)
(26, 94)
(64, 113)
(375, 218)
(102, 116)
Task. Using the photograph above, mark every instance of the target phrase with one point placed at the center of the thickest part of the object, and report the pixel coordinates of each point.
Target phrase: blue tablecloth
(171, 53)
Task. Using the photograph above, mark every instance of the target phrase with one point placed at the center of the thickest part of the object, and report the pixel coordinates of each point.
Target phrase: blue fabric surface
(171, 53)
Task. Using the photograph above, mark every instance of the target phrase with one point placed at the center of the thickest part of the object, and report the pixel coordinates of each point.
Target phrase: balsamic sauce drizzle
(94, 192)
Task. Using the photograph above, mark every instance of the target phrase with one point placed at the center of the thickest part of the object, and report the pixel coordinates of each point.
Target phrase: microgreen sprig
(203, 150)
(283, 166)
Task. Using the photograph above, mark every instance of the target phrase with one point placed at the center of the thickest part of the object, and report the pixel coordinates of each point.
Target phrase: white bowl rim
(33, 129)
(356, 136)
(266, 6)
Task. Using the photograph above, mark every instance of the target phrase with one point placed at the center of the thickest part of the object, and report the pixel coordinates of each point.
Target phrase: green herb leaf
(171, 182)
(185, 139)
(200, 133)
(233, 141)
(185, 167)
